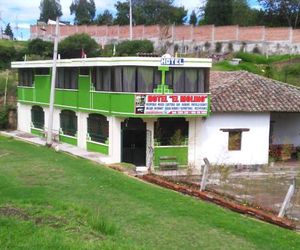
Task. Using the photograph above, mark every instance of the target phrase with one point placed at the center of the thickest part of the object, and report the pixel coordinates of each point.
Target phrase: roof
(241, 91)
(111, 61)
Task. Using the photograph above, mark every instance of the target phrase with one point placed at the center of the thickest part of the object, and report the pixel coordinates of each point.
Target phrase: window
(186, 80)
(147, 79)
(26, 77)
(102, 78)
(84, 71)
(67, 78)
(37, 117)
(68, 122)
(235, 138)
(42, 71)
(98, 128)
(171, 131)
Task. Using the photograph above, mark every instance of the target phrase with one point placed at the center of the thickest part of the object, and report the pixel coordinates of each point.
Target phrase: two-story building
(131, 109)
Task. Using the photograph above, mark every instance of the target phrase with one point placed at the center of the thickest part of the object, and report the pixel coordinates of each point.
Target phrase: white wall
(24, 117)
(255, 143)
(115, 138)
(286, 128)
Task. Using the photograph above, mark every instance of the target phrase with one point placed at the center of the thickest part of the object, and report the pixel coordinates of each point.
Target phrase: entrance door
(134, 141)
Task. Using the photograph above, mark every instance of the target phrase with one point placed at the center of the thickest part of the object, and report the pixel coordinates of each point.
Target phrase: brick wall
(255, 35)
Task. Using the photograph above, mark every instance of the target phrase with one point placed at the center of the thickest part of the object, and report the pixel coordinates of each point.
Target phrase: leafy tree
(7, 54)
(72, 46)
(8, 31)
(84, 11)
(104, 19)
(131, 48)
(193, 18)
(218, 12)
(150, 12)
(242, 13)
(50, 9)
(283, 12)
(40, 47)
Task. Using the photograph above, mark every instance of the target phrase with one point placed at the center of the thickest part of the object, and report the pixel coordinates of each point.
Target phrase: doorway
(133, 141)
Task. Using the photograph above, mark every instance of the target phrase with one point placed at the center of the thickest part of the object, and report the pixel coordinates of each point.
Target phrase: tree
(193, 18)
(150, 12)
(72, 46)
(84, 11)
(40, 47)
(286, 12)
(8, 31)
(104, 19)
(218, 12)
(50, 9)
(242, 13)
(131, 48)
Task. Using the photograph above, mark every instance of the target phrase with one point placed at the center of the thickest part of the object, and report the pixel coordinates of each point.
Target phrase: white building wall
(24, 117)
(255, 142)
(81, 129)
(115, 138)
(194, 142)
(286, 128)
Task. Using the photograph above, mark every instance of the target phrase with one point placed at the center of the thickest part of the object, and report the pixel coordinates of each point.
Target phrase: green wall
(37, 132)
(97, 147)
(181, 152)
(68, 139)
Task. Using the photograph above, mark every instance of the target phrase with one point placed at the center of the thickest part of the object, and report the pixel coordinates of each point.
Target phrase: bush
(131, 48)
(252, 58)
(4, 117)
(41, 48)
(72, 46)
(7, 54)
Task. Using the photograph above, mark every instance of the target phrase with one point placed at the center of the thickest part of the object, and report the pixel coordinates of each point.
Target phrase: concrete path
(73, 150)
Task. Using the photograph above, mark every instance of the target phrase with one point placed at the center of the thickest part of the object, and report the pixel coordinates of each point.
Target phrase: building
(143, 110)
(130, 109)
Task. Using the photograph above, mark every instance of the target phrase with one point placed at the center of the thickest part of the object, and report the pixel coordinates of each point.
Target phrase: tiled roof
(241, 91)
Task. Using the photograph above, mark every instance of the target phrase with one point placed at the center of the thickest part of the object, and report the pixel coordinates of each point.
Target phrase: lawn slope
(50, 200)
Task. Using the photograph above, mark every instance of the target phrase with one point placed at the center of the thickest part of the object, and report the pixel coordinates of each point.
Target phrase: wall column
(115, 139)
(81, 129)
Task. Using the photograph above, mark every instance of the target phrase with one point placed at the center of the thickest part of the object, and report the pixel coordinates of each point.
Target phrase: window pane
(37, 117)
(129, 79)
(42, 71)
(234, 141)
(106, 79)
(201, 81)
(145, 79)
(68, 122)
(117, 86)
(171, 131)
(178, 81)
(98, 128)
(191, 83)
(84, 71)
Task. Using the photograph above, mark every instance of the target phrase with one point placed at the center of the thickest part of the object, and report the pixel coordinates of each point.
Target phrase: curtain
(178, 80)
(191, 81)
(145, 79)
(117, 79)
(129, 79)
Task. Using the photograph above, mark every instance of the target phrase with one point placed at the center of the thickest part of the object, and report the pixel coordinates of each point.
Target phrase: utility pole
(52, 90)
(130, 19)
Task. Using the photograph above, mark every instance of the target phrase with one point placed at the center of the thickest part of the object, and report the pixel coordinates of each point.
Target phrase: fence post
(204, 174)
(287, 199)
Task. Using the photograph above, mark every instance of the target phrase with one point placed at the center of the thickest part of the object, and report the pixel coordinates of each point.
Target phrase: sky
(23, 13)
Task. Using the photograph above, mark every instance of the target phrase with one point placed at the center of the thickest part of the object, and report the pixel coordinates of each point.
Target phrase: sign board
(181, 104)
(172, 61)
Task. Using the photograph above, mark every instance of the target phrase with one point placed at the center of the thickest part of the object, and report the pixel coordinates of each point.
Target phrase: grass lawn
(51, 200)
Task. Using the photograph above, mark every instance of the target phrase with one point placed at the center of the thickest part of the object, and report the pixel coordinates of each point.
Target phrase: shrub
(41, 48)
(256, 50)
(131, 48)
(4, 117)
(252, 58)
(72, 46)
(7, 54)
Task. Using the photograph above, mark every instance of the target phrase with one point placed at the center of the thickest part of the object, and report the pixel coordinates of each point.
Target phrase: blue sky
(22, 13)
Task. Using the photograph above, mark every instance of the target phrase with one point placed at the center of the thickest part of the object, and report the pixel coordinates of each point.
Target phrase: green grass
(56, 201)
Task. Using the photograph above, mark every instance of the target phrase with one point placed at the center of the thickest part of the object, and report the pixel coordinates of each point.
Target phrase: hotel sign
(171, 61)
(175, 104)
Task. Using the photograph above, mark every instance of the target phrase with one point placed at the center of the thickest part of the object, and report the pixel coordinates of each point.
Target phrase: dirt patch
(52, 221)
(10, 211)
(280, 65)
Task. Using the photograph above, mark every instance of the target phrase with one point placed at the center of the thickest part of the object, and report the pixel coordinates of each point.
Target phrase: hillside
(51, 200)
(285, 68)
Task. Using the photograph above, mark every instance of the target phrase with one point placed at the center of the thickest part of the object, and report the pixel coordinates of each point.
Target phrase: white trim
(122, 113)
(69, 136)
(110, 61)
(60, 89)
(99, 143)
